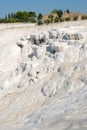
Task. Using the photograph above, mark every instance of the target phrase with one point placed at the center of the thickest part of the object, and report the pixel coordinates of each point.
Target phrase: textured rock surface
(43, 77)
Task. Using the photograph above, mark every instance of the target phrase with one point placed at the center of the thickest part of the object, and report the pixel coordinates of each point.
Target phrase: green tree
(32, 17)
(9, 16)
(32, 14)
(22, 16)
(6, 17)
(68, 11)
(12, 15)
(60, 13)
(39, 18)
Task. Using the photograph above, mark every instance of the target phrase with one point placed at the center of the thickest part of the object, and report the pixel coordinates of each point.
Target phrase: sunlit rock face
(43, 77)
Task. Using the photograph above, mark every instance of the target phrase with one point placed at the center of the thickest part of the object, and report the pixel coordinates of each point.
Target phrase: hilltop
(53, 17)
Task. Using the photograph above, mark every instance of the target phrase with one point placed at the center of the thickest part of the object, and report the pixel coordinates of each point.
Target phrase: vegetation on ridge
(31, 17)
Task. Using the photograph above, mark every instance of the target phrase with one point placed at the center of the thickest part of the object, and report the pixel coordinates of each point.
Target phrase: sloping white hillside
(43, 76)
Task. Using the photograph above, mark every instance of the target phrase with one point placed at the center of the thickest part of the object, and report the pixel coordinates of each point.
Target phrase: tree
(60, 13)
(68, 11)
(39, 18)
(32, 14)
(32, 17)
(9, 16)
(6, 17)
(22, 16)
(25, 16)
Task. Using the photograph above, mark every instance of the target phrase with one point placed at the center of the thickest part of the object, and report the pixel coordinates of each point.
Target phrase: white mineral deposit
(43, 76)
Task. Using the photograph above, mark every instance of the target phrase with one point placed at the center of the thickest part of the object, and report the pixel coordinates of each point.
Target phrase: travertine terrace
(43, 76)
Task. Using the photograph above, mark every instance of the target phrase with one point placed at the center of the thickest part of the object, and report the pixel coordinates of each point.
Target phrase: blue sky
(43, 6)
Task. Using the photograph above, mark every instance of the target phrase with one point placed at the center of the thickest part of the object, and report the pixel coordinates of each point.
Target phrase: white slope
(43, 76)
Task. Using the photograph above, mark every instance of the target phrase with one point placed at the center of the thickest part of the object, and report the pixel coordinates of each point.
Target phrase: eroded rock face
(43, 81)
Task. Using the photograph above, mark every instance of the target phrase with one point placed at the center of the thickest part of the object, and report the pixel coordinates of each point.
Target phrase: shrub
(67, 19)
(11, 20)
(75, 18)
(84, 17)
(51, 18)
(61, 19)
(32, 20)
(40, 22)
(56, 19)
(47, 21)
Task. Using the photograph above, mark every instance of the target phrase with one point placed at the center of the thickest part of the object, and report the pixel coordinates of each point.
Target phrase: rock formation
(43, 79)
